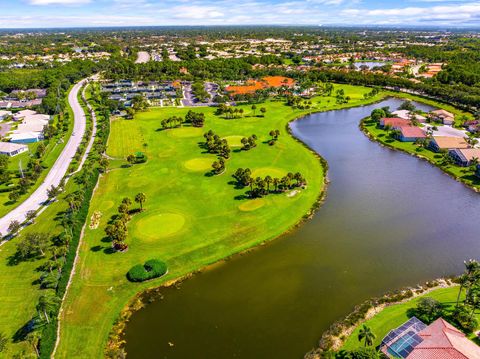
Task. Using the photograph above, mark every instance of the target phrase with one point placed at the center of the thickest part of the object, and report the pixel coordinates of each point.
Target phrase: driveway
(448, 131)
(58, 170)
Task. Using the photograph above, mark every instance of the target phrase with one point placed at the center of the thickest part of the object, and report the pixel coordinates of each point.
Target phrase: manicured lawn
(191, 219)
(465, 174)
(52, 151)
(395, 315)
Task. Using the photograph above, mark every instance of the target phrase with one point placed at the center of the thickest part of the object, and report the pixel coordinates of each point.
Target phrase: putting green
(184, 132)
(252, 205)
(159, 225)
(198, 164)
(269, 171)
(234, 141)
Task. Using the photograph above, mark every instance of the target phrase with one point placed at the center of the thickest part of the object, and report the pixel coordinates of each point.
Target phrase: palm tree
(33, 339)
(463, 281)
(268, 181)
(276, 182)
(140, 198)
(367, 335)
(254, 109)
(46, 304)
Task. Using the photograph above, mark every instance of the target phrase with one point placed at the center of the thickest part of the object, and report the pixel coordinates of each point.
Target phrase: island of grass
(191, 218)
(394, 316)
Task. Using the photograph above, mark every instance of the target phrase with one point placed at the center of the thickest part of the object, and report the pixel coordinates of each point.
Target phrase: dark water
(390, 220)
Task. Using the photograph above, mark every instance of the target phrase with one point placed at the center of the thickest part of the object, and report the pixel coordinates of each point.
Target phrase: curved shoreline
(429, 161)
(116, 335)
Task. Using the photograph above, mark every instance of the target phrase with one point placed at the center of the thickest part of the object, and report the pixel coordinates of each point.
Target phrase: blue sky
(71, 13)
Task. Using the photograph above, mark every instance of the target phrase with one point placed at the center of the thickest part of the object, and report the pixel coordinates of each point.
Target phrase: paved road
(58, 170)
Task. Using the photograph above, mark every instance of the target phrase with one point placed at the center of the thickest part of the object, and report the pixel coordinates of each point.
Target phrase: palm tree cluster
(197, 119)
(249, 142)
(274, 134)
(172, 122)
(117, 230)
(229, 111)
(215, 144)
(260, 187)
(465, 310)
(298, 102)
(218, 166)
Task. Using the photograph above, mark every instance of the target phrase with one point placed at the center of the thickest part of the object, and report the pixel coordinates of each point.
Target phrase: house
(407, 115)
(12, 149)
(465, 156)
(415, 340)
(394, 122)
(447, 118)
(4, 114)
(439, 143)
(411, 134)
(21, 114)
(26, 137)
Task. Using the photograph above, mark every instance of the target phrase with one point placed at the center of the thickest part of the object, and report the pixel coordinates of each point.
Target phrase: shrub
(152, 268)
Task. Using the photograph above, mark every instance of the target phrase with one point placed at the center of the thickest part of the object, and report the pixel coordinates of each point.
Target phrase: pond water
(390, 220)
(369, 64)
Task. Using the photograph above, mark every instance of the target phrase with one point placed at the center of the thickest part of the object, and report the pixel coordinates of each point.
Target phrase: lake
(389, 220)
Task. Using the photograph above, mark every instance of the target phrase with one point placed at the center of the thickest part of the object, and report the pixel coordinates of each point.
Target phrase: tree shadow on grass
(241, 197)
(106, 240)
(96, 248)
(21, 334)
(109, 250)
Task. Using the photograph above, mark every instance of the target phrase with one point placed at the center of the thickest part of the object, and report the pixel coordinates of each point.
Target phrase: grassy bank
(191, 219)
(465, 175)
(393, 316)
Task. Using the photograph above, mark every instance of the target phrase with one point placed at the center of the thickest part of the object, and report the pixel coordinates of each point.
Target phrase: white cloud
(58, 2)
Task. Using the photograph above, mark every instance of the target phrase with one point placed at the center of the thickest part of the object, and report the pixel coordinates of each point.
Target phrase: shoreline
(372, 138)
(116, 338)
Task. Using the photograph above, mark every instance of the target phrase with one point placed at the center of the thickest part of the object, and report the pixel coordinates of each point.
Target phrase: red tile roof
(441, 340)
(395, 122)
(412, 131)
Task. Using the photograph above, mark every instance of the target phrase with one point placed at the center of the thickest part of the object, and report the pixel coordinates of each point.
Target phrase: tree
(33, 338)
(263, 110)
(14, 196)
(53, 192)
(14, 227)
(30, 216)
(367, 335)
(104, 164)
(123, 208)
(428, 309)
(33, 245)
(268, 180)
(131, 159)
(377, 114)
(127, 201)
(140, 198)
(48, 304)
(254, 109)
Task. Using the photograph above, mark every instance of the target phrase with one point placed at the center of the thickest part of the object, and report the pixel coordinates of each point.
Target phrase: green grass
(52, 151)
(191, 219)
(393, 316)
(18, 282)
(464, 174)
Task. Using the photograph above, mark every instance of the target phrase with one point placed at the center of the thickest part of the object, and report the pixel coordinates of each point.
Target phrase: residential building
(407, 115)
(411, 134)
(465, 156)
(447, 118)
(394, 122)
(21, 114)
(415, 340)
(4, 114)
(12, 149)
(26, 137)
(439, 143)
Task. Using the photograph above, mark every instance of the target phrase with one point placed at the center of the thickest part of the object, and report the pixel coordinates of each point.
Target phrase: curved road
(58, 170)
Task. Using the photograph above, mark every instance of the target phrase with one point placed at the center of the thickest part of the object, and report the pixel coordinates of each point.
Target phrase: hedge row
(152, 268)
